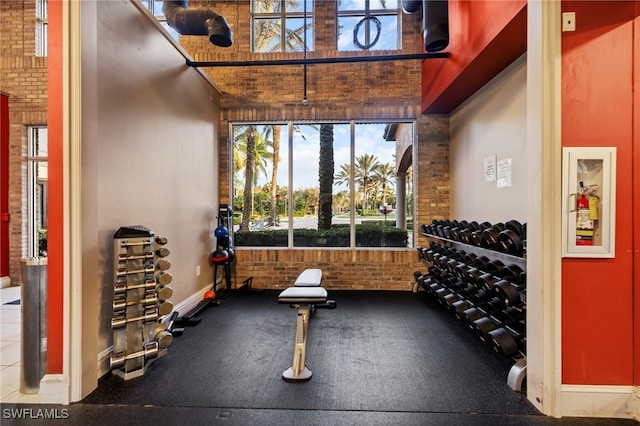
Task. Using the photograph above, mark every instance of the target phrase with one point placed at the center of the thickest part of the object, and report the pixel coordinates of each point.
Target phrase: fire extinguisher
(584, 224)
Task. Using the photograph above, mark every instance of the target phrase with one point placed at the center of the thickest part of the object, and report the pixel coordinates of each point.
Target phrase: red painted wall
(598, 110)
(636, 199)
(55, 271)
(485, 37)
(4, 185)
(601, 107)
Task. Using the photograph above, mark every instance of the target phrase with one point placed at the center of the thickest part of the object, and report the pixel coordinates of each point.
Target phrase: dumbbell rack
(140, 299)
(454, 269)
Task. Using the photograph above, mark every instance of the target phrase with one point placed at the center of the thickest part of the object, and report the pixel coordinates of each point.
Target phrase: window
(368, 25)
(41, 27)
(282, 25)
(335, 185)
(155, 7)
(37, 177)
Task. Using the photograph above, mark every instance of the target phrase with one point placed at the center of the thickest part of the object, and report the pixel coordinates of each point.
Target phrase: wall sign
(504, 173)
(588, 202)
(490, 168)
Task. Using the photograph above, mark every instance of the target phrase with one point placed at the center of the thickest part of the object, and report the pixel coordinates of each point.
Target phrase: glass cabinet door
(588, 204)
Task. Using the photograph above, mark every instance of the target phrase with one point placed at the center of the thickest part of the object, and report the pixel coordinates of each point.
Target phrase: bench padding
(309, 278)
(309, 295)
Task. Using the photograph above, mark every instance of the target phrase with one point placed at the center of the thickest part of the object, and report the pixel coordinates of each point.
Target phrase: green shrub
(369, 234)
(42, 242)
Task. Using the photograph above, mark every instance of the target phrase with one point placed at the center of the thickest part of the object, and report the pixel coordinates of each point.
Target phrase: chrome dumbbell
(163, 264)
(163, 308)
(149, 269)
(163, 252)
(121, 305)
(122, 288)
(149, 352)
(123, 257)
(125, 243)
(164, 339)
(149, 316)
(165, 293)
(164, 278)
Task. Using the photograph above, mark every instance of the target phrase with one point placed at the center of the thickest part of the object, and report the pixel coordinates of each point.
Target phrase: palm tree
(344, 175)
(268, 33)
(255, 149)
(249, 172)
(382, 175)
(341, 200)
(325, 177)
(365, 165)
(275, 131)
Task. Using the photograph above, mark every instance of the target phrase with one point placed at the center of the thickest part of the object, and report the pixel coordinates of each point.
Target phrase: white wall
(149, 156)
(490, 123)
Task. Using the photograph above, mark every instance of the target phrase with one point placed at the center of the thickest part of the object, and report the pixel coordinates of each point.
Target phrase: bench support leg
(298, 370)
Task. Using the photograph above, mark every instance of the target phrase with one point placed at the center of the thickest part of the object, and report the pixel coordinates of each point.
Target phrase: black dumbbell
(513, 273)
(494, 267)
(513, 225)
(482, 326)
(491, 236)
(477, 238)
(509, 340)
(508, 292)
(484, 309)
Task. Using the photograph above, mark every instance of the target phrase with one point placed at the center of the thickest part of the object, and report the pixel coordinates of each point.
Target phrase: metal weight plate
(507, 292)
(514, 225)
(510, 243)
(503, 342)
(491, 238)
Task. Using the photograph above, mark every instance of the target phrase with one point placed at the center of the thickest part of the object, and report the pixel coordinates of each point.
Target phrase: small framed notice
(490, 168)
(504, 173)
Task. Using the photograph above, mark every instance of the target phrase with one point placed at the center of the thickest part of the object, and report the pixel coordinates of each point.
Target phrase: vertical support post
(298, 370)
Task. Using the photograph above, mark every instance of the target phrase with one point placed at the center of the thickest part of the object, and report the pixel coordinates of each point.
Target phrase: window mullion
(283, 26)
(289, 200)
(352, 184)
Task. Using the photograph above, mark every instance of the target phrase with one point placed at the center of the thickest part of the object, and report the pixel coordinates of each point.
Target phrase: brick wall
(374, 90)
(342, 269)
(432, 171)
(23, 77)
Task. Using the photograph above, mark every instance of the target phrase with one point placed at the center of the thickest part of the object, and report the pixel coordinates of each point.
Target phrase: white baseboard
(5, 282)
(184, 306)
(54, 389)
(636, 403)
(599, 401)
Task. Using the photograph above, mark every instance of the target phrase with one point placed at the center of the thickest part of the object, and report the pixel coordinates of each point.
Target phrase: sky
(368, 139)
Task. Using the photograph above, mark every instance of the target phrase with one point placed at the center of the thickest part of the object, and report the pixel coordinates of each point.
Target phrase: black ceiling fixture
(435, 20)
(197, 22)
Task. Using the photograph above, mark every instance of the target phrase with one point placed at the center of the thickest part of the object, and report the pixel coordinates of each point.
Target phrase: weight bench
(305, 295)
(309, 278)
(313, 278)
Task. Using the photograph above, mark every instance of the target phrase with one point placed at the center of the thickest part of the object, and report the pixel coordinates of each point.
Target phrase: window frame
(283, 15)
(368, 12)
(289, 207)
(36, 191)
(152, 5)
(42, 22)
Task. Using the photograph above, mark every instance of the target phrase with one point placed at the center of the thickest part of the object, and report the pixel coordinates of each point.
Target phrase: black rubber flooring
(380, 358)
